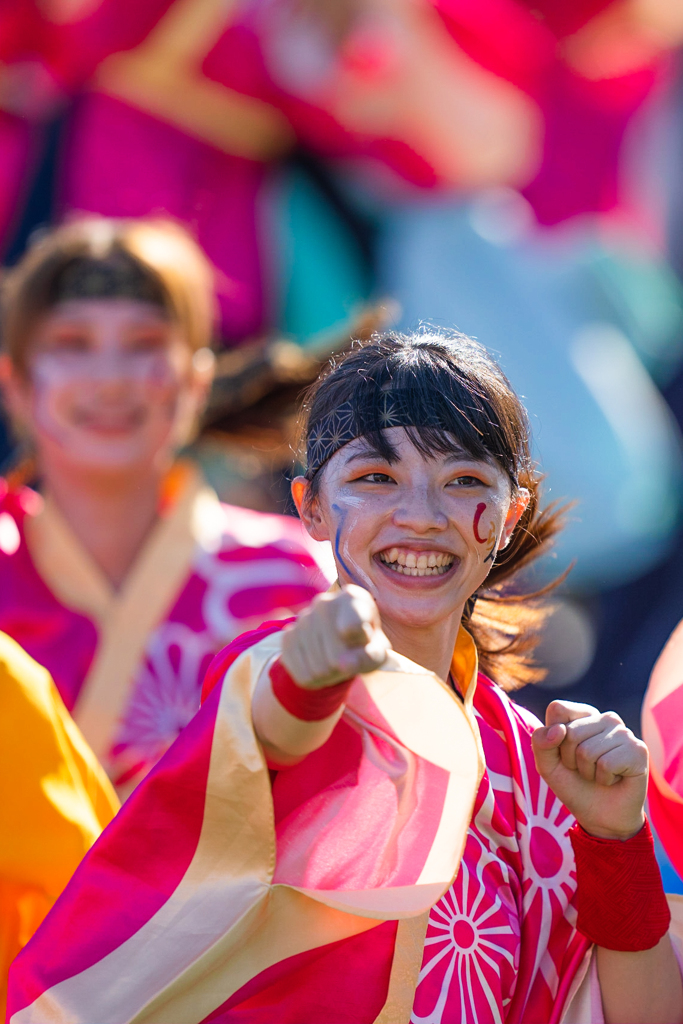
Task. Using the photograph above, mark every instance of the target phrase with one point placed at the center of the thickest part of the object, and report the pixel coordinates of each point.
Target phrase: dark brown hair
(161, 251)
(452, 381)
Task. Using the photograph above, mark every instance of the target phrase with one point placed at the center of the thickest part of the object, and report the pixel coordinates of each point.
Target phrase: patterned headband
(395, 408)
(115, 277)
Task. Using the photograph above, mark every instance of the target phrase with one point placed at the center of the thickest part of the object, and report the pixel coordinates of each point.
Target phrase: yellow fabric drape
(55, 799)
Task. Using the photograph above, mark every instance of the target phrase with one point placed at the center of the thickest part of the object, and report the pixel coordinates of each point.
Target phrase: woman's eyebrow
(467, 457)
(364, 451)
(460, 455)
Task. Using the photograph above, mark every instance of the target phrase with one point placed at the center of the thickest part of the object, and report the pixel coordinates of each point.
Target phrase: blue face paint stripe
(342, 516)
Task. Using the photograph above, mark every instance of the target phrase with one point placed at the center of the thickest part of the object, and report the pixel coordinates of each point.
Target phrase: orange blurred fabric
(55, 799)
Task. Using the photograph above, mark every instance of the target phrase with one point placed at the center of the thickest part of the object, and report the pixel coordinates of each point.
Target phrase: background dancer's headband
(117, 276)
(401, 407)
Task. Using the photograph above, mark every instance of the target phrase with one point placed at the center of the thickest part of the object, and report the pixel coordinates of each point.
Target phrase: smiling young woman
(485, 466)
(359, 825)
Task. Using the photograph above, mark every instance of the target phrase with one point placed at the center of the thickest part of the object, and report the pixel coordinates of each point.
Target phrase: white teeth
(411, 564)
(405, 570)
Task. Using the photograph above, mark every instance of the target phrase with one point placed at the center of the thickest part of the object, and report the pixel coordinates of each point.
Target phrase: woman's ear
(195, 396)
(518, 505)
(16, 392)
(203, 370)
(309, 509)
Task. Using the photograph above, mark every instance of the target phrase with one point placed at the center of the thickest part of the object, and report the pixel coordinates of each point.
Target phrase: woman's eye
(74, 341)
(467, 481)
(376, 478)
(151, 342)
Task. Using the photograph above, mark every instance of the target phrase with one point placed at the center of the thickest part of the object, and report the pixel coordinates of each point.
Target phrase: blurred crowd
(505, 167)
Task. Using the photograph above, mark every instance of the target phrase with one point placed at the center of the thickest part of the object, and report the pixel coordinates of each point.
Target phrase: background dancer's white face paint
(111, 384)
(406, 530)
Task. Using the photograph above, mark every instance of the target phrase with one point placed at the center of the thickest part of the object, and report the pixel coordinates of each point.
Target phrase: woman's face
(420, 533)
(110, 384)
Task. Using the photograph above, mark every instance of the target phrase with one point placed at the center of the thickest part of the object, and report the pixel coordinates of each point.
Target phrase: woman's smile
(110, 422)
(412, 562)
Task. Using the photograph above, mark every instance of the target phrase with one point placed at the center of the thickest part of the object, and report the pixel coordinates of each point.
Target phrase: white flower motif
(474, 934)
(511, 902)
(167, 691)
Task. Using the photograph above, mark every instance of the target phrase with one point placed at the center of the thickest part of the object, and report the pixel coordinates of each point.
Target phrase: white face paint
(404, 530)
(110, 381)
(352, 500)
(345, 527)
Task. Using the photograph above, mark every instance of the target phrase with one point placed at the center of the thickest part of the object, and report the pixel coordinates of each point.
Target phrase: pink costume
(187, 104)
(501, 944)
(330, 900)
(663, 733)
(129, 664)
(47, 52)
(135, 148)
(19, 33)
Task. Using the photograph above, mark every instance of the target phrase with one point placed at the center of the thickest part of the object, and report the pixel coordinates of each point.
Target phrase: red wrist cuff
(619, 895)
(308, 705)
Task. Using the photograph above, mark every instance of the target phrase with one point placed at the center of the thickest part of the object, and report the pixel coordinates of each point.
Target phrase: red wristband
(308, 705)
(619, 895)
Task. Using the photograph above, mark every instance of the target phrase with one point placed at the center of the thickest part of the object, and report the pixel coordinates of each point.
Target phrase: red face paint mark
(490, 538)
(475, 525)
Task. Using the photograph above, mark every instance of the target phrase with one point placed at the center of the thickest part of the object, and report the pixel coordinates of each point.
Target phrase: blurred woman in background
(125, 575)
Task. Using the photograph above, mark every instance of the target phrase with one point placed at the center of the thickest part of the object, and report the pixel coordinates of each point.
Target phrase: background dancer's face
(419, 533)
(110, 384)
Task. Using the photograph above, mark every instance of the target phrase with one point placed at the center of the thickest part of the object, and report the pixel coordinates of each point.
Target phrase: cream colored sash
(410, 936)
(125, 618)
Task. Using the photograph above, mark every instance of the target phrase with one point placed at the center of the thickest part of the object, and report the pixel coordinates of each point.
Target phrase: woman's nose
(112, 369)
(422, 514)
(110, 366)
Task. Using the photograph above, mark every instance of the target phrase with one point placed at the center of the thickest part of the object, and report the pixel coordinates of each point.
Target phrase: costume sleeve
(663, 733)
(54, 798)
(225, 658)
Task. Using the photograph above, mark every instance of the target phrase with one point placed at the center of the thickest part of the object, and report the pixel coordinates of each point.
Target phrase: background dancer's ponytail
(443, 388)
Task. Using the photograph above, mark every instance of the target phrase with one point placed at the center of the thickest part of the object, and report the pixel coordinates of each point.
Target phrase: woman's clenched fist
(337, 637)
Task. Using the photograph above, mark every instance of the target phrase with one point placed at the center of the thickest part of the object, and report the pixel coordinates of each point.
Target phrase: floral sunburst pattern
(472, 944)
(257, 570)
(500, 939)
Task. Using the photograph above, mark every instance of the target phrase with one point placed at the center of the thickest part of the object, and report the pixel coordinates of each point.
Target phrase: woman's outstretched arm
(299, 700)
